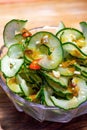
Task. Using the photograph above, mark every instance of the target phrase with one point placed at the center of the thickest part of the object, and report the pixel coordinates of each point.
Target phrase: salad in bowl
(44, 70)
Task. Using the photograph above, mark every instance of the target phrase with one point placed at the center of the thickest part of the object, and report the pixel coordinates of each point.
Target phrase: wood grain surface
(39, 13)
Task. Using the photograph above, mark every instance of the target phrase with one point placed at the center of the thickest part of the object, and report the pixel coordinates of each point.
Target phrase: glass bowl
(37, 111)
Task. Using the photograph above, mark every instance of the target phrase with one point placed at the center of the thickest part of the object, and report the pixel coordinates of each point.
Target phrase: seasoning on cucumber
(46, 68)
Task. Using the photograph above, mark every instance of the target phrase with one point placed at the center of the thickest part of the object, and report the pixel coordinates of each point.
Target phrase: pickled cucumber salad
(46, 68)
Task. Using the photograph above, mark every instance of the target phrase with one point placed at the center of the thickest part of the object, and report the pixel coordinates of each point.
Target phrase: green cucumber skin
(59, 45)
(59, 91)
(6, 76)
(12, 76)
(60, 26)
(84, 29)
(84, 55)
(76, 100)
(53, 79)
(13, 90)
(59, 83)
(19, 46)
(69, 29)
(81, 68)
(6, 32)
(65, 73)
(46, 95)
(69, 108)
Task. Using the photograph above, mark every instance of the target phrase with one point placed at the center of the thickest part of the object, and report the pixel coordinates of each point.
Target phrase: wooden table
(47, 12)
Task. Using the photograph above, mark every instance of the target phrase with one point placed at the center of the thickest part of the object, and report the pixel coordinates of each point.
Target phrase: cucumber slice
(82, 69)
(84, 74)
(68, 71)
(13, 85)
(36, 97)
(10, 66)
(15, 51)
(54, 85)
(62, 81)
(74, 50)
(58, 90)
(20, 39)
(10, 30)
(23, 85)
(31, 76)
(51, 43)
(47, 97)
(71, 35)
(75, 101)
(60, 26)
(84, 29)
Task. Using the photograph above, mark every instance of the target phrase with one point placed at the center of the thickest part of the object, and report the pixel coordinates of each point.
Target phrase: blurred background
(43, 12)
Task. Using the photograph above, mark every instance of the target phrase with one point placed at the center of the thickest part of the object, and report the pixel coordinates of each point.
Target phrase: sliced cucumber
(71, 35)
(84, 74)
(75, 101)
(60, 26)
(15, 51)
(84, 29)
(62, 81)
(13, 85)
(39, 93)
(51, 43)
(23, 85)
(10, 66)
(54, 85)
(58, 90)
(20, 39)
(47, 97)
(59, 60)
(31, 76)
(74, 50)
(68, 71)
(35, 97)
(82, 69)
(11, 28)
